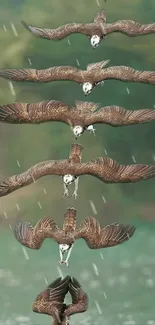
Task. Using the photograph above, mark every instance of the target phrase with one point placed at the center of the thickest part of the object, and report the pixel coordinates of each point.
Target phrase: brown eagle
(90, 230)
(80, 118)
(88, 79)
(95, 31)
(51, 300)
(103, 168)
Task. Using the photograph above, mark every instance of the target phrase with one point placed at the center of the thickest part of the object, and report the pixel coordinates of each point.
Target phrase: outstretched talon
(75, 194)
(91, 129)
(66, 193)
(63, 262)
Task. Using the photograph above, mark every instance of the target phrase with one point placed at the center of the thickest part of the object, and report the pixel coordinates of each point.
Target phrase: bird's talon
(75, 195)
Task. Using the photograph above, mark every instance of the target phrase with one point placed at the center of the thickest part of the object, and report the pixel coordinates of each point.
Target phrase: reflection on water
(120, 281)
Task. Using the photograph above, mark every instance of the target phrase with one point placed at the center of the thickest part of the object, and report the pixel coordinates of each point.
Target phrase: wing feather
(44, 75)
(122, 73)
(119, 116)
(50, 301)
(110, 171)
(49, 167)
(35, 113)
(79, 299)
(111, 235)
(60, 32)
(130, 28)
(33, 237)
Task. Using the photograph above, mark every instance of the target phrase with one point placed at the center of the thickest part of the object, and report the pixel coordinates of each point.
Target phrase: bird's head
(68, 179)
(95, 41)
(78, 130)
(87, 88)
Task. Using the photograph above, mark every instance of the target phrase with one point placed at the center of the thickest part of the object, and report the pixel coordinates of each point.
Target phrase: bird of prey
(59, 167)
(51, 300)
(88, 79)
(95, 31)
(80, 118)
(90, 230)
(103, 168)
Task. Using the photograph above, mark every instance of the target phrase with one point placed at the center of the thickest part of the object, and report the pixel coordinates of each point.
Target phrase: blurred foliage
(30, 144)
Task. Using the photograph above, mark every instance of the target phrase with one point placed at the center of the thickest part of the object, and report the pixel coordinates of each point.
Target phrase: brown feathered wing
(51, 300)
(79, 298)
(33, 237)
(119, 116)
(110, 235)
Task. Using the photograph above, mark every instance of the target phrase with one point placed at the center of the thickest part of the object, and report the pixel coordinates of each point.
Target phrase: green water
(120, 292)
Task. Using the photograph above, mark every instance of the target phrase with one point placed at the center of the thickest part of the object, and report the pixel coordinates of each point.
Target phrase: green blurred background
(126, 274)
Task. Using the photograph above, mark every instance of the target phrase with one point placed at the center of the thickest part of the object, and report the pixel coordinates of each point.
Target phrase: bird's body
(88, 79)
(80, 118)
(95, 31)
(90, 230)
(51, 300)
(103, 168)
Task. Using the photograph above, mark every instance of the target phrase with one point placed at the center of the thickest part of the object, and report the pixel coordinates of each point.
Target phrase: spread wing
(122, 73)
(69, 223)
(35, 113)
(33, 237)
(110, 171)
(111, 235)
(51, 300)
(46, 75)
(130, 28)
(119, 116)
(60, 32)
(79, 298)
(49, 167)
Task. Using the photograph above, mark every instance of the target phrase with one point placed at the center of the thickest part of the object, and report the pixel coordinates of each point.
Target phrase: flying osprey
(80, 118)
(88, 79)
(103, 168)
(96, 31)
(51, 300)
(90, 230)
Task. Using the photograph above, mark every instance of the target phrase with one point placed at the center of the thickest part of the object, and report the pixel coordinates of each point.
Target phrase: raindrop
(18, 163)
(25, 253)
(5, 215)
(14, 29)
(93, 206)
(95, 269)
(97, 1)
(103, 198)
(40, 206)
(98, 307)
(10, 226)
(128, 91)
(12, 88)
(4, 27)
(29, 61)
(105, 151)
(133, 158)
(18, 208)
(45, 191)
(60, 272)
(102, 256)
(77, 61)
(69, 42)
(46, 281)
(105, 296)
